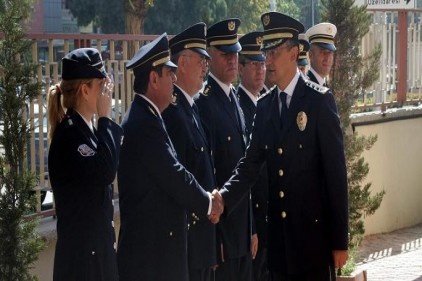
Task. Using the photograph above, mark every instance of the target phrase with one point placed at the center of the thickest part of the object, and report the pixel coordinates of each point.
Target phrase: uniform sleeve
(178, 134)
(333, 159)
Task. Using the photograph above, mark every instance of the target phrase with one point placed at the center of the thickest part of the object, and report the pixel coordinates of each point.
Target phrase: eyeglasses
(202, 60)
(255, 64)
(275, 51)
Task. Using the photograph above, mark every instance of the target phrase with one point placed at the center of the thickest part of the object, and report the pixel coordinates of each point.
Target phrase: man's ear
(153, 79)
(84, 91)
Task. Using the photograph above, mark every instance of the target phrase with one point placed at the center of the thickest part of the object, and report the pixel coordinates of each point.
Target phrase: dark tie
(233, 103)
(284, 111)
(195, 112)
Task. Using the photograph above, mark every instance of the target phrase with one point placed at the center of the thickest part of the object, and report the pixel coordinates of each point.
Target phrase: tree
(289, 7)
(351, 75)
(19, 242)
(107, 16)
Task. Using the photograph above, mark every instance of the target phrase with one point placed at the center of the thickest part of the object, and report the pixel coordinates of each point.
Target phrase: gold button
(194, 222)
(202, 149)
(266, 146)
(229, 138)
(257, 205)
(171, 233)
(193, 214)
(280, 172)
(300, 146)
(283, 214)
(280, 151)
(281, 194)
(93, 253)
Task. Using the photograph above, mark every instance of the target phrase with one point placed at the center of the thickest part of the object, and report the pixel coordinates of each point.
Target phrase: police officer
(225, 128)
(321, 53)
(188, 51)
(302, 61)
(297, 132)
(155, 190)
(82, 166)
(252, 76)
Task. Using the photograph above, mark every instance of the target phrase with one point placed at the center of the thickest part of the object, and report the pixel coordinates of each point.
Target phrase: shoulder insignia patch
(206, 90)
(316, 87)
(85, 150)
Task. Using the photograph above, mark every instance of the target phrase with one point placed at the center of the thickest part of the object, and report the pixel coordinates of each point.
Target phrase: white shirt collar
(88, 122)
(252, 97)
(189, 98)
(290, 88)
(321, 80)
(151, 103)
(225, 87)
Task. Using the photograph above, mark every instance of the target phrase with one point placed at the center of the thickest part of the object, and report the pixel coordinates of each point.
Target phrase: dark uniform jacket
(82, 166)
(193, 152)
(312, 77)
(228, 140)
(308, 213)
(260, 192)
(155, 191)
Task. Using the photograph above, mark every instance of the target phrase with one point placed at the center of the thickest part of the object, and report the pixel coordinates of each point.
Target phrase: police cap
(278, 28)
(151, 55)
(251, 46)
(303, 50)
(192, 38)
(223, 35)
(83, 63)
(323, 34)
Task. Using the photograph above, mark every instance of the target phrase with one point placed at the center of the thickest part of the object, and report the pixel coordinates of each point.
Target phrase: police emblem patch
(266, 20)
(231, 25)
(301, 120)
(85, 150)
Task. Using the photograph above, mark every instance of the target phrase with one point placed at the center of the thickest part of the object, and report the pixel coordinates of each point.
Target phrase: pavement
(393, 256)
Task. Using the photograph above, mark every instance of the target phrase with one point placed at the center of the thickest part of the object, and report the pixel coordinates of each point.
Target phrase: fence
(117, 49)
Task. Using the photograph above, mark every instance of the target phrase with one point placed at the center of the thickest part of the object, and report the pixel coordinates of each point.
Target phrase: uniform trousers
(317, 274)
(260, 266)
(237, 269)
(203, 274)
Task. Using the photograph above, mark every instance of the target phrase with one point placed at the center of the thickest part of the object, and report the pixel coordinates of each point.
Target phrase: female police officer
(82, 164)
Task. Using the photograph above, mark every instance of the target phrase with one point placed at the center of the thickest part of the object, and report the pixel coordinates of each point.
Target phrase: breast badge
(85, 150)
(301, 120)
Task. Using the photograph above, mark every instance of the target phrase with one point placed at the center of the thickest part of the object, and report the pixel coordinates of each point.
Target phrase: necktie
(233, 103)
(284, 110)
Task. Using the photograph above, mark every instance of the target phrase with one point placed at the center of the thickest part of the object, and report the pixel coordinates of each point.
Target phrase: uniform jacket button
(171, 233)
(281, 194)
(280, 172)
(93, 253)
(257, 205)
(280, 151)
(283, 214)
(229, 138)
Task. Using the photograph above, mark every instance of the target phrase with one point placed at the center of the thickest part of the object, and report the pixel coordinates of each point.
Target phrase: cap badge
(266, 20)
(259, 40)
(85, 150)
(301, 120)
(329, 29)
(301, 47)
(231, 25)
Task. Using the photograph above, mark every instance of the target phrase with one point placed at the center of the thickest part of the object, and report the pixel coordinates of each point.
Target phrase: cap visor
(255, 57)
(330, 47)
(235, 48)
(302, 62)
(201, 52)
(170, 64)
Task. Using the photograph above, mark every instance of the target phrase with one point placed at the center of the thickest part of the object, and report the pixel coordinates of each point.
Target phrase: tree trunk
(135, 12)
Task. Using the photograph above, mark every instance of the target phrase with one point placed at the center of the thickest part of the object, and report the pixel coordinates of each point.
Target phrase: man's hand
(217, 207)
(340, 258)
(254, 245)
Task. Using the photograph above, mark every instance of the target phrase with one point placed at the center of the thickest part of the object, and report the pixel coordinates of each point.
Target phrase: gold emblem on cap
(301, 120)
(266, 20)
(259, 40)
(301, 47)
(231, 25)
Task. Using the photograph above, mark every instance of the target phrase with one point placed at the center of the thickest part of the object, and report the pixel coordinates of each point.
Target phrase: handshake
(217, 207)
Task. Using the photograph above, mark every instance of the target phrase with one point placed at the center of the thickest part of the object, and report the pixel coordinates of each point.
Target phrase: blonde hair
(62, 96)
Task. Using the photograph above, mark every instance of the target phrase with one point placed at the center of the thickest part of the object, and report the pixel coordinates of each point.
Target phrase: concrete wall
(395, 165)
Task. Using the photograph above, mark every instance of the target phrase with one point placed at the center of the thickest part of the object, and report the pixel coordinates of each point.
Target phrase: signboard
(387, 4)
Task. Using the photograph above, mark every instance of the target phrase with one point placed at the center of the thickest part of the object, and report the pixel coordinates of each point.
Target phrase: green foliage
(173, 16)
(351, 75)
(19, 243)
(289, 7)
(106, 15)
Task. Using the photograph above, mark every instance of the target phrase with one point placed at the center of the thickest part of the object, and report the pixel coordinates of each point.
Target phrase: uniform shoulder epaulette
(267, 93)
(206, 90)
(69, 122)
(316, 87)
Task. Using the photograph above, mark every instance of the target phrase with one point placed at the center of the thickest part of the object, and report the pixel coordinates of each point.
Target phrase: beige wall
(395, 165)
